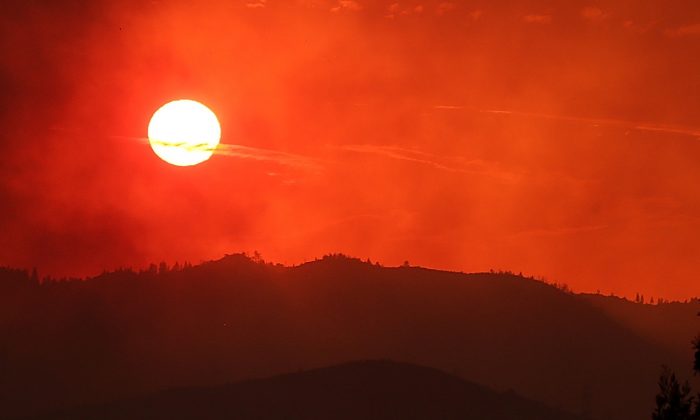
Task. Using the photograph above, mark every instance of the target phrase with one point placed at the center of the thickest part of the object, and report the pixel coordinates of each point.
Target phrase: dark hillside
(125, 334)
(360, 390)
(672, 325)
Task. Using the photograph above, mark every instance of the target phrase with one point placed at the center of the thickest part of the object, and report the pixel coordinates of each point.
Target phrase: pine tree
(696, 347)
(673, 401)
(696, 368)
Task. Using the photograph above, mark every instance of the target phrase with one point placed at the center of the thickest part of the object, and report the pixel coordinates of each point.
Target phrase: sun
(184, 132)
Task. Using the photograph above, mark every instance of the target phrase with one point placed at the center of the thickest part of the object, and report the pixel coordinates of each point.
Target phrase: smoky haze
(555, 138)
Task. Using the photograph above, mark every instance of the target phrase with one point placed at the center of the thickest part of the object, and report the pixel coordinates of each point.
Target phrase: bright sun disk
(184, 132)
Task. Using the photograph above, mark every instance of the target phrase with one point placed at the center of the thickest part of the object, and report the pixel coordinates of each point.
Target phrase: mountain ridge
(236, 318)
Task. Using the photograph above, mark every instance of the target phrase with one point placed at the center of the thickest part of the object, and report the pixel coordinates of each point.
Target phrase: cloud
(395, 9)
(640, 126)
(561, 231)
(593, 14)
(684, 31)
(276, 156)
(455, 107)
(245, 152)
(632, 125)
(445, 7)
(537, 19)
(400, 153)
(639, 28)
(475, 15)
(449, 164)
(259, 4)
(313, 4)
(350, 5)
(684, 131)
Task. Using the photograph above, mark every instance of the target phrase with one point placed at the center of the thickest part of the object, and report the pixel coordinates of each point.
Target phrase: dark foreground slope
(125, 334)
(360, 390)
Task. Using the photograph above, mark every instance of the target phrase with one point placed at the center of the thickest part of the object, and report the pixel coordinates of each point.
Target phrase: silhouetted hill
(672, 325)
(360, 390)
(124, 334)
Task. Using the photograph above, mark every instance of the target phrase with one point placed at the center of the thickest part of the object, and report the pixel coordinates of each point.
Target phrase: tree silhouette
(696, 347)
(673, 401)
(696, 369)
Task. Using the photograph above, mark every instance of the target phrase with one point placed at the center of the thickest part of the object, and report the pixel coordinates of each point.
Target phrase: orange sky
(560, 139)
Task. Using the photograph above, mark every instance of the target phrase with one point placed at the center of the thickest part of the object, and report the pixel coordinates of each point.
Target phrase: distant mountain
(125, 334)
(360, 390)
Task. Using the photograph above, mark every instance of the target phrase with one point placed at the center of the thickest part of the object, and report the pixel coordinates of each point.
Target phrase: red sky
(556, 138)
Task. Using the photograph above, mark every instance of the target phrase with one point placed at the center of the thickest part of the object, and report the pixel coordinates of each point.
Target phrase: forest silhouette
(124, 334)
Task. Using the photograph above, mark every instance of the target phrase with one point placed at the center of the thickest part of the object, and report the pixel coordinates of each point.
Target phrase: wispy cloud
(276, 156)
(538, 19)
(246, 152)
(638, 27)
(475, 14)
(632, 125)
(561, 231)
(350, 5)
(593, 14)
(445, 7)
(454, 164)
(259, 4)
(394, 10)
(684, 31)
(453, 107)
(686, 131)
(400, 153)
